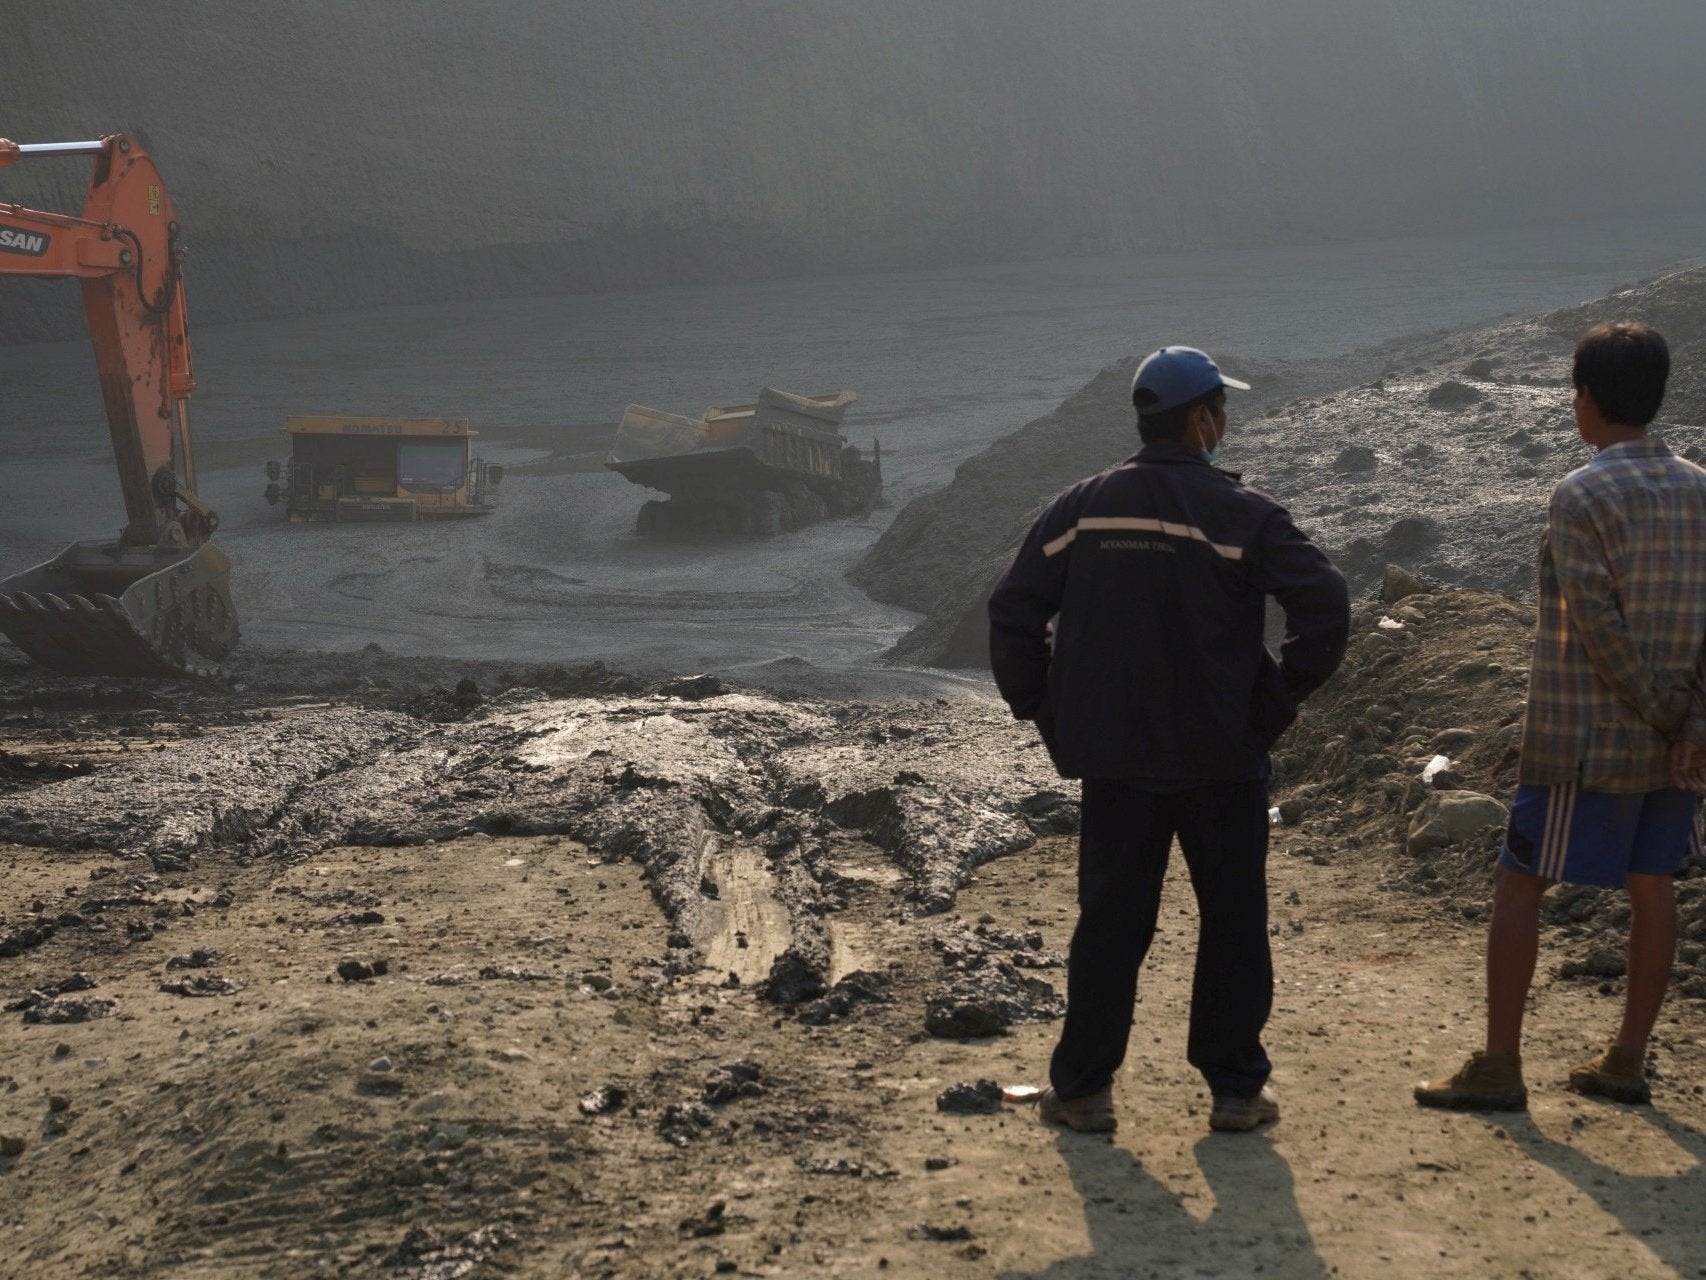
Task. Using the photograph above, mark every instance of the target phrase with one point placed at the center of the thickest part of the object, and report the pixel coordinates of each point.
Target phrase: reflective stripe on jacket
(1154, 573)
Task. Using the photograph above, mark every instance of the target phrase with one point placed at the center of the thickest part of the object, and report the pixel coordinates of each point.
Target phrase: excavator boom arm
(155, 601)
(124, 251)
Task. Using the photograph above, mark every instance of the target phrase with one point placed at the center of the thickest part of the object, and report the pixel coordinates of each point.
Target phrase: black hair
(1169, 424)
(1624, 367)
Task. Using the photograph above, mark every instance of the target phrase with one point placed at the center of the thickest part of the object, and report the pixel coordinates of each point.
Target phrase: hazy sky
(650, 136)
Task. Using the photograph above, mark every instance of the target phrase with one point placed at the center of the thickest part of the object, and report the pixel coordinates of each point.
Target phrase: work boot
(1620, 1073)
(1240, 1115)
(1093, 1113)
(1485, 1083)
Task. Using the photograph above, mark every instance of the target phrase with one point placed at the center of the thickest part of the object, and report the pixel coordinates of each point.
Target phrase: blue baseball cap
(1174, 376)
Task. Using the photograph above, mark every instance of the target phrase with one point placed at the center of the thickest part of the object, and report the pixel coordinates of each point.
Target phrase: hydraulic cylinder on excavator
(155, 600)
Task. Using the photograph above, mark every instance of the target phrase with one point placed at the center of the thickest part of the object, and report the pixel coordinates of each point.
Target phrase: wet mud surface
(728, 799)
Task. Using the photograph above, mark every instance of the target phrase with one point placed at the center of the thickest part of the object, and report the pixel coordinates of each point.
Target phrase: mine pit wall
(349, 153)
(1500, 392)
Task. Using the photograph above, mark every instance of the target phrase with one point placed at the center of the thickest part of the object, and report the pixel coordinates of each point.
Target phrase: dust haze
(532, 895)
(334, 155)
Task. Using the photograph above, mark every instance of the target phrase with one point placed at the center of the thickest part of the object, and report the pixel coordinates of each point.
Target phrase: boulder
(1396, 584)
(1450, 817)
(1452, 394)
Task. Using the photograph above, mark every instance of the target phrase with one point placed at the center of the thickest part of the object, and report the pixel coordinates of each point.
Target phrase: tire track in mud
(729, 802)
(748, 927)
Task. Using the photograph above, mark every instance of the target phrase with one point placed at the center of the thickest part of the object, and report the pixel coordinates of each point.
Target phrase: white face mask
(1211, 455)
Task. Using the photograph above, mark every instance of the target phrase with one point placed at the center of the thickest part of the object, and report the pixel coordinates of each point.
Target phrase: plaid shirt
(1622, 584)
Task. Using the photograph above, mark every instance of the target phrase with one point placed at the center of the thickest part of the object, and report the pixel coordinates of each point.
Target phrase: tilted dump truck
(762, 468)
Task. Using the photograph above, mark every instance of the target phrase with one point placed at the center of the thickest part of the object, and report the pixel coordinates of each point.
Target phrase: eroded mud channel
(727, 800)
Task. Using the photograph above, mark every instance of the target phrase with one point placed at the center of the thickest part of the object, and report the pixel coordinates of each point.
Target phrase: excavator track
(97, 609)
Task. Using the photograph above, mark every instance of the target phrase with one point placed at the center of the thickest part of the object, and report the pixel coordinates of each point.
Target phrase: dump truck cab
(367, 468)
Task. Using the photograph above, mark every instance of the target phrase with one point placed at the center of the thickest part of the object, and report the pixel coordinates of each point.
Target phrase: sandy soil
(249, 1134)
(603, 1050)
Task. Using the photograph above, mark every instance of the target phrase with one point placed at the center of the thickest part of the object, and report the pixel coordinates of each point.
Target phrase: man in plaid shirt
(1608, 772)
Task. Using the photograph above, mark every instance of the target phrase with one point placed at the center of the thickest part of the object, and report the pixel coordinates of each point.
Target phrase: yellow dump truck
(774, 465)
(355, 468)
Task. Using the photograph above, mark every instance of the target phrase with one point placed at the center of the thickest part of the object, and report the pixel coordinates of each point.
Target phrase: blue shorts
(1595, 837)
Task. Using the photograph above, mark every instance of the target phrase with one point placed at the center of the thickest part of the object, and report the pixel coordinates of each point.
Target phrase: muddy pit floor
(641, 980)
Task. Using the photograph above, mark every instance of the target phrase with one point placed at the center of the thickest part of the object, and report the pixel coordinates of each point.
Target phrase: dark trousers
(1123, 848)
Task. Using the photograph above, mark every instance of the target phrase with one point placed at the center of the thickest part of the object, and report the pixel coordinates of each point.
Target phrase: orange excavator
(157, 599)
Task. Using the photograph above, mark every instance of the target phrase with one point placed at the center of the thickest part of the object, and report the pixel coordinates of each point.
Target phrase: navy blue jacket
(1154, 573)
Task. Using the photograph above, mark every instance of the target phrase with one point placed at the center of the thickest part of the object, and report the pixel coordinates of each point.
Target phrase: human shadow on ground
(1662, 1211)
(1140, 1227)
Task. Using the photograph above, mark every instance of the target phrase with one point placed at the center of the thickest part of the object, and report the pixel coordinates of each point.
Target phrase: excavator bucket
(99, 608)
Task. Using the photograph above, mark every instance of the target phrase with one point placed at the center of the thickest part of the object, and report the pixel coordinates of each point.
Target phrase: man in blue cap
(1129, 629)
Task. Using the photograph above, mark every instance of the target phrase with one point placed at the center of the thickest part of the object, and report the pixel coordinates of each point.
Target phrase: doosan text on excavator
(155, 600)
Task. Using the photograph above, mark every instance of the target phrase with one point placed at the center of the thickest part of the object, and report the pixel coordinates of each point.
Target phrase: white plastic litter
(1434, 766)
(1273, 817)
(1389, 624)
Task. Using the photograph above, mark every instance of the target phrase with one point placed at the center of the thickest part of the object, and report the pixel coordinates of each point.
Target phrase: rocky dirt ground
(472, 971)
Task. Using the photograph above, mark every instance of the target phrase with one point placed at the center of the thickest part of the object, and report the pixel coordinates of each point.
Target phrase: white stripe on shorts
(1555, 837)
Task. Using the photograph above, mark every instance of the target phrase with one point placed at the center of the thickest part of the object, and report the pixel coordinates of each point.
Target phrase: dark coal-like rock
(987, 1001)
(1452, 394)
(709, 1223)
(510, 973)
(204, 984)
(197, 959)
(862, 986)
(353, 969)
(733, 1080)
(794, 979)
(944, 1234)
(380, 1084)
(966, 1098)
(1606, 962)
(14, 942)
(693, 688)
(682, 1122)
(75, 1009)
(358, 918)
